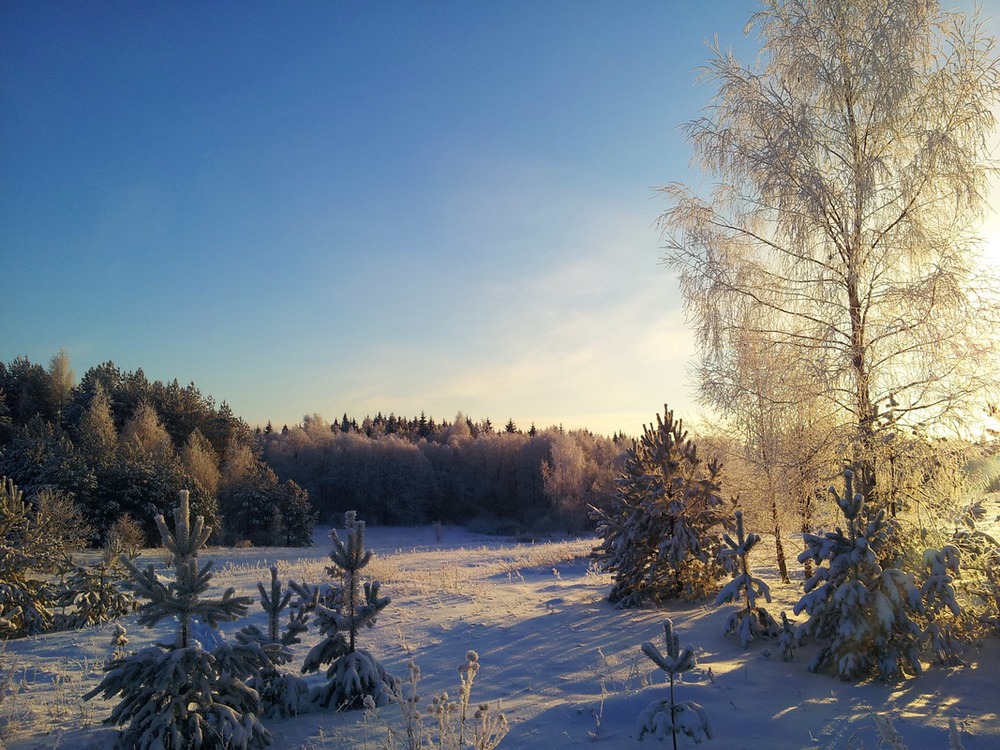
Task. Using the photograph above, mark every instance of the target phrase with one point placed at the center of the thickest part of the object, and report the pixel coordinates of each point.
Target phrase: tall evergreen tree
(61, 382)
(201, 462)
(297, 515)
(144, 432)
(41, 455)
(96, 434)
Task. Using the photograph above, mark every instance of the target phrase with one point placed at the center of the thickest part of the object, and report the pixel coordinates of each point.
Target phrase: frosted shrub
(666, 717)
(353, 673)
(859, 613)
(451, 724)
(190, 693)
(987, 591)
(119, 643)
(125, 537)
(751, 621)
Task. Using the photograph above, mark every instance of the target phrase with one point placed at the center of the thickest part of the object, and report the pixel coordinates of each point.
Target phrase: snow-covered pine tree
(662, 536)
(353, 672)
(36, 542)
(26, 601)
(859, 613)
(666, 717)
(788, 639)
(753, 620)
(181, 695)
(119, 642)
(281, 693)
(93, 596)
(940, 567)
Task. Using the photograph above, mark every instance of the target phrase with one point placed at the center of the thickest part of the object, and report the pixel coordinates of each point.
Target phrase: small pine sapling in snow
(859, 613)
(179, 695)
(787, 638)
(281, 693)
(940, 567)
(119, 642)
(752, 621)
(353, 672)
(666, 717)
(26, 601)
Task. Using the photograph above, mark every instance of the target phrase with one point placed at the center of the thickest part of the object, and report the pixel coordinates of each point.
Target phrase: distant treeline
(407, 471)
(118, 444)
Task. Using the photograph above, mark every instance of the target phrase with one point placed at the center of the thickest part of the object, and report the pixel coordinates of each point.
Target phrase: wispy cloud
(593, 337)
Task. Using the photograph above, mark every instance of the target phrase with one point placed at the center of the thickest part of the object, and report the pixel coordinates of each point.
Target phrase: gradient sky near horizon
(329, 207)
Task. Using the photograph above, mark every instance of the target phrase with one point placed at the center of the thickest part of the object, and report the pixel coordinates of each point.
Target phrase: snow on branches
(662, 537)
(666, 717)
(353, 673)
(753, 620)
(183, 695)
(860, 614)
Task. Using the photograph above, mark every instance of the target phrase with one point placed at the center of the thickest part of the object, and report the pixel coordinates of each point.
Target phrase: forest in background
(410, 471)
(117, 445)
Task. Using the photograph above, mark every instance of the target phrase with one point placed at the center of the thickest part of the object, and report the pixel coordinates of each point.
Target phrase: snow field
(564, 665)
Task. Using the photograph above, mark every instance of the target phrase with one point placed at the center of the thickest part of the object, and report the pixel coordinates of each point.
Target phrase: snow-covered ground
(564, 664)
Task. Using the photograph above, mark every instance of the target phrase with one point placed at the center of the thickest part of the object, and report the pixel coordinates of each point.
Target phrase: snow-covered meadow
(564, 665)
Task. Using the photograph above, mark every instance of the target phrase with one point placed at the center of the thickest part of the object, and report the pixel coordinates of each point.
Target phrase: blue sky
(346, 206)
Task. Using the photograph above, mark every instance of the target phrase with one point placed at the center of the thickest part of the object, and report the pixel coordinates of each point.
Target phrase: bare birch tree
(850, 164)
